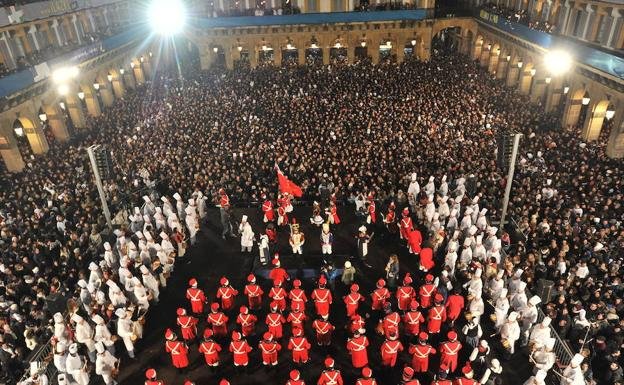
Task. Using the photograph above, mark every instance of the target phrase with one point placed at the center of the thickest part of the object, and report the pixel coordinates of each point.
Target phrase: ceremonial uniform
(323, 331)
(150, 375)
(390, 324)
(352, 300)
(253, 293)
(327, 240)
(188, 325)
(177, 349)
(295, 378)
(269, 349)
(196, 297)
(330, 376)
(246, 321)
(454, 306)
(278, 273)
(380, 295)
(420, 354)
(405, 294)
(297, 296)
(240, 350)
(406, 224)
(436, 315)
(274, 322)
(367, 379)
(278, 295)
(449, 351)
(296, 318)
(412, 320)
(357, 348)
(210, 349)
(426, 292)
(390, 350)
(426, 259)
(227, 294)
(300, 347)
(322, 298)
(218, 321)
(268, 212)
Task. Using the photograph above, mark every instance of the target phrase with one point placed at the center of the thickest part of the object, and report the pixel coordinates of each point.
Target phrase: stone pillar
(36, 137)
(564, 17)
(277, 55)
(616, 16)
(74, 21)
(7, 50)
(501, 68)
(572, 112)
(493, 64)
(8, 149)
(512, 75)
(325, 49)
(476, 52)
(554, 94)
(485, 57)
(524, 86)
(400, 52)
(56, 122)
(301, 51)
(229, 58)
(253, 56)
(147, 69)
(32, 31)
(615, 145)
(93, 105)
(76, 113)
(106, 93)
(129, 79)
(538, 90)
(373, 50)
(118, 87)
(138, 73)
(590, 18)
(351, 53)
(593, 124)
(59, 39)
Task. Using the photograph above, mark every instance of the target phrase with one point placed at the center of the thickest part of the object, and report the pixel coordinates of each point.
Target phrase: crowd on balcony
(378, 138)
(521, 16)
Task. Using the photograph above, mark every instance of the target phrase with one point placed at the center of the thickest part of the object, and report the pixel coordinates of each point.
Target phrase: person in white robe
(105, 364)
(247, 235)
(76, 366)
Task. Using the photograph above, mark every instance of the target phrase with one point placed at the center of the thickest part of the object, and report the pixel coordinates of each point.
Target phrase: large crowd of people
(522, 17)
(187, 138)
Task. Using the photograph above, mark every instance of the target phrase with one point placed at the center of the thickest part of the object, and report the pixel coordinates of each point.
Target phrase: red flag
(286, 185)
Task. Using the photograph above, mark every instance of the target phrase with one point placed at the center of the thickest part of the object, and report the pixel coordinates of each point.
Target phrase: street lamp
(520, 64)
(132, 64)
(81, 95)
(142, 59)
(109, 77)
(508, 57)
(533, 72)
(337, 45)
(121, 71)
(62, 105)
(43, 117)
(547, 80)
(566, 89)
(96, 86)
(610, 112)
(586, 99)
(413, 42)
(363, 43)
(239, 48)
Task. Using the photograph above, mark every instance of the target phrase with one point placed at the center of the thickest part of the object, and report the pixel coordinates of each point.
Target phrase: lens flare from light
(167, 17)
(558, 62)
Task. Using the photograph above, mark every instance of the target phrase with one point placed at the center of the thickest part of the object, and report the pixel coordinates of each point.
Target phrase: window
(313, 6)
(338, 6)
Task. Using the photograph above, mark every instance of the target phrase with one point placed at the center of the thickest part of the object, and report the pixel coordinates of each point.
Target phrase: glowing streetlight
(19, 131)
(215, 49)
(121, 71)
(413, 42)
(132, 64)
(289, 46)
(547, 80)
(63, 89)
(557, 62)
(533, 72)
(566, 89)
(508, 58)
(63, 74)
(81, 95)
(109, 77)
(142, 59)
(96, 86)
(610, 112)
(239, 48)
(338, 45)
(167, 17)
(520, 64)
(586, 99)
(363, 44)
(62, 105)
(43, 117)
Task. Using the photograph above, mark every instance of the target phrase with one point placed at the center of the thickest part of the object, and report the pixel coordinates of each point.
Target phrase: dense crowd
(522, 17)
(227, 129)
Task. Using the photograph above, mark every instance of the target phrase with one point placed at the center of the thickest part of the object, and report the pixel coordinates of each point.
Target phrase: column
(485, 56)
(147, 68)
(35, 135)
(351, 53)
(75, 110)
(229, 58)
(512, 75)
(8, 149)
(615, 145)
(106, 92)
(501, 69)
(593, 124)
(91, 21)
(55, 28)
(105, 16)
(494, 59)
(524, 86)
(537, 90)
(301, 52)
(615, 21)
(138, 72)
(277, 54)
(7, 51)
(591, 14)
(93, 105)
(572, 112)
(129, 79)
(32, 31)
(553, 94)
(74, 21)
(56, 122)
(325, 49)
(253, 55)
(564, 16)
(118, 86)
(400, 52)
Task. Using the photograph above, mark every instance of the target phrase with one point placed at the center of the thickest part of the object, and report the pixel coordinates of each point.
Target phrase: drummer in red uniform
(196, 297)
(227, 294)
(253, 292)
(177, 349)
